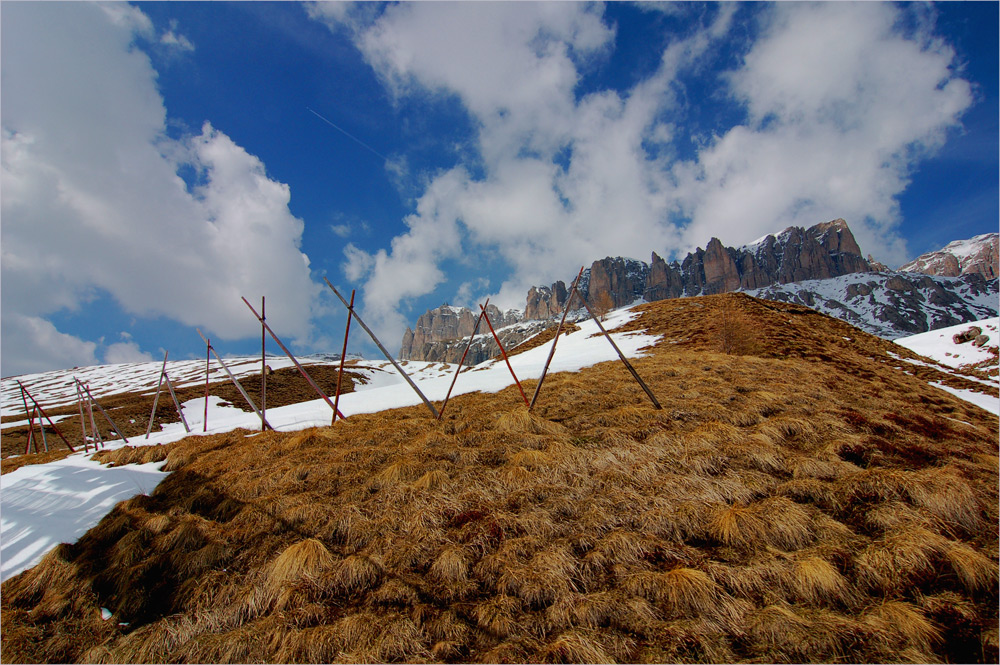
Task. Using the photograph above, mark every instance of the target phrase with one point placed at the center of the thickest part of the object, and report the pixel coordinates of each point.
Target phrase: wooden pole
(156, 399)
(41, 428)
(383, 350)
(93, 421)
(263, 422)
(45, 415)
(504, 353)
(555, 339)
(208, 361)
(343, 355)
(288, 353)
(263, 361)
(83, 421)
(101, 409)
(621, 355)
(177, 405)
(31, 421)
(460, 362)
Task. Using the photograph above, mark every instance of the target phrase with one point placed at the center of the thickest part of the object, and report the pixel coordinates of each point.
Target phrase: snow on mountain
(45, 504)
(940, 345)
(892, 305)
(977, 255)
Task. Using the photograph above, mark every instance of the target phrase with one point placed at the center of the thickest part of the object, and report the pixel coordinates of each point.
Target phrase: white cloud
(92, 199)
(176, 41)
(32, 344)
(358, 264)
(125, 351)
(840, 106)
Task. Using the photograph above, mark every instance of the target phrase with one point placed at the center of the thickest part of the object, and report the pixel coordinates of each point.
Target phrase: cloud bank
(837, 103)
(92, 199)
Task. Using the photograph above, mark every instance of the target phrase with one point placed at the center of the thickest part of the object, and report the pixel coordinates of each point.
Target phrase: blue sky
(160, 160)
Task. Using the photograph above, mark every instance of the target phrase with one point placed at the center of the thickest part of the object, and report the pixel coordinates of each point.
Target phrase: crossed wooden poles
(483, 315)
(81, 388)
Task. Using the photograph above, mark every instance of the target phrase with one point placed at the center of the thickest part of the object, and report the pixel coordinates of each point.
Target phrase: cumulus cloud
(32, 344)
(92, 197)
(125, 351)
(841, 106)
(839, 102)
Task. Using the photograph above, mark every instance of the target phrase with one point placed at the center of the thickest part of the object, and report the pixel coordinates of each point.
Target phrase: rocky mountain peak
(978, 255)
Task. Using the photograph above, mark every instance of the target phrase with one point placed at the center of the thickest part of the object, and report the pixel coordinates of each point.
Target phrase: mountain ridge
(920, 296)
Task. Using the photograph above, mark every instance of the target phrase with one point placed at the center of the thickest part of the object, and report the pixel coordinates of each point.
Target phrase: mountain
(892, 304)
(976, 255)
(821, 266)
(448, 323)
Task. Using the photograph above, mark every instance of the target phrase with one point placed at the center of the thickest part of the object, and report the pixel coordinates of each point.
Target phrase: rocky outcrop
(978, 255)
(448, 323)
(614, 280)
(794, 255)
(664, 280)
(545, 302)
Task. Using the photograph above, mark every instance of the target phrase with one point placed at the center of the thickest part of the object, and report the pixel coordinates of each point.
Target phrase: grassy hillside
(803, 497)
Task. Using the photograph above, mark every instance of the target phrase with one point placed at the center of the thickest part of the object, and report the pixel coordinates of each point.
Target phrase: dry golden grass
(808, 502)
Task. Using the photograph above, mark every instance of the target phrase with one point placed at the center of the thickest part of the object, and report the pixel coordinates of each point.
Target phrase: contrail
(349, 135)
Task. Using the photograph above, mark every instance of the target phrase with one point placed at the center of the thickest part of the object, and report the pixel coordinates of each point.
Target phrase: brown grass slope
(130, 411)
(807, 502)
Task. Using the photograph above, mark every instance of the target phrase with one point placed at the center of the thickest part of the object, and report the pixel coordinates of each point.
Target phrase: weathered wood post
(263, 423)
(208, 362)
(458, 370)
(381, 348)
(288, 353)
(555, 339)
(343, 355)
(503, 352)
(263, 360)
(156, 399)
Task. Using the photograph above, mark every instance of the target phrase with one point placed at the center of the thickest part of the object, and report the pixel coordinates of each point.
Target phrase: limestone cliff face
(616, 280)
(978, 255)
(448, 323)
(545, 302)
(794, 255)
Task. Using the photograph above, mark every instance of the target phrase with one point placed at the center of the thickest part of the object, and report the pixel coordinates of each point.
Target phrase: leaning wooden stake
(93, 421)
(41, 428)
(83, 421)
(458, 370)
(621, 355)
(156, 399)
(101, 409)
(177, 405)
(44, 415)
(208, 361)
(555, 339)
(384, 352)
(263, 422)
(288, 353)
(343, 354)
(503, 352)
(263, 360)
(31, 422)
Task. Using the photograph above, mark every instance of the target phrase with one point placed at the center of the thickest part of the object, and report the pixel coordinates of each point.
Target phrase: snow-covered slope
(940, 345)
(45, 504)
(893, 305)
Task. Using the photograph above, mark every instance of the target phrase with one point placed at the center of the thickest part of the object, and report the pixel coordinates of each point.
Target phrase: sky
(162, 160)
